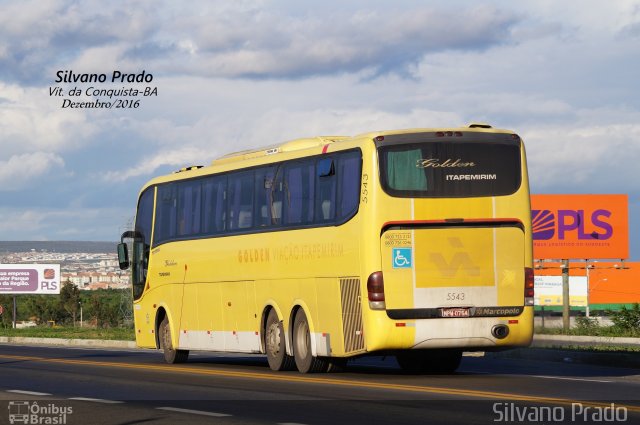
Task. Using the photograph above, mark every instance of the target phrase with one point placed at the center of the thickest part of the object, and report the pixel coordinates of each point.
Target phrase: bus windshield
(450, 168)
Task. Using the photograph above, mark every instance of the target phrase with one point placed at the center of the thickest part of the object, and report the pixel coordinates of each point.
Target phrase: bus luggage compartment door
(441, 268)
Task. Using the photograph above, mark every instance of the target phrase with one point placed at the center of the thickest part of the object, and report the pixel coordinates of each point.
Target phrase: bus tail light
(528, 286)
(375, 291)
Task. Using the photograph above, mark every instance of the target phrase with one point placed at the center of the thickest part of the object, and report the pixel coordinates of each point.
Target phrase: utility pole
(566, 321)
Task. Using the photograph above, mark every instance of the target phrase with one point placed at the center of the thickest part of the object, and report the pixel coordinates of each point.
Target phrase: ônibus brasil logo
(545, 224)
(31, 412)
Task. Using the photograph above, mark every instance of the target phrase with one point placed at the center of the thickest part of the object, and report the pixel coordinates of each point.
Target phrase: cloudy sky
(239, 74)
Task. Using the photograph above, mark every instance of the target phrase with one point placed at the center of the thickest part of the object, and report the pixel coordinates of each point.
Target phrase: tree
(45, 308)
(6, 301)
(70, 299)
(105, 308)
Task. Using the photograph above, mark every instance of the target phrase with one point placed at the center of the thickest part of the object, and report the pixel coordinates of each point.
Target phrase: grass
(626, 323)
(608, 331)
(123, 334)
(590, 327)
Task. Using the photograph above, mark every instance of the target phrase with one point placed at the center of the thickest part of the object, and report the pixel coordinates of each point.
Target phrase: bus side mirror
(123, 252)
(123, 256)
(326, 167)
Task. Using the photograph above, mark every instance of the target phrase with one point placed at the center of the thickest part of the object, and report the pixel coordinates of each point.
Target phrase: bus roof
(306, 143)
(478, 127)
(253, 156)
(290, 146)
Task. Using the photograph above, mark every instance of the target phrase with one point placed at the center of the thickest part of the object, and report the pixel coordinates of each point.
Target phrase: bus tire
(274, 344)
(305, 361)
(171, 355)
(436, 362)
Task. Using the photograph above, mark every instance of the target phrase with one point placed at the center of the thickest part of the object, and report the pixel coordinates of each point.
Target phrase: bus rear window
(450, 169)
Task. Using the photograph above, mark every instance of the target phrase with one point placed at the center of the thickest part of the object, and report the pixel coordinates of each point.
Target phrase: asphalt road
(98, 386)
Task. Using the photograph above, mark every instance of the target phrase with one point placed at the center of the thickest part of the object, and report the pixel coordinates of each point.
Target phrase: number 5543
(455, 296)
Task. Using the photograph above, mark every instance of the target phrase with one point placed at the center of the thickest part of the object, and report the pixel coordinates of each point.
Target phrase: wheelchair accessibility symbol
(401, 258)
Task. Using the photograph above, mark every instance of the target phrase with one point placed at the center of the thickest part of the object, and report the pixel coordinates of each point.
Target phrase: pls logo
(569, 221)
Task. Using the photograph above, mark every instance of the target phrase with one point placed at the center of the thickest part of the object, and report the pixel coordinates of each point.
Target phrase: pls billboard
(580, 226)
(29, 279)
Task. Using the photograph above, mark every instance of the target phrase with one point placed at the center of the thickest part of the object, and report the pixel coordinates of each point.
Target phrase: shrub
(587, 325)
(627, 319)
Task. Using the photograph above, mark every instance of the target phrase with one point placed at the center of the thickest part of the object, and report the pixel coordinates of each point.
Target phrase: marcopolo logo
(571, 223)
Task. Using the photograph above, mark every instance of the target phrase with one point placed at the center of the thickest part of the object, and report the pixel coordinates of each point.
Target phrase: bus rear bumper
(479, 333)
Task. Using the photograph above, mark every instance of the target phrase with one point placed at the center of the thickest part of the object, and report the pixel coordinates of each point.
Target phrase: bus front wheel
(171, 355)
(275, 345)
(305, 361)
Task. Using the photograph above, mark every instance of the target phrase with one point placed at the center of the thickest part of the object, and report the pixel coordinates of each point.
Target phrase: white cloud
(19, 170)
(178, 158)
(32, 120)
(208, 41)
(281, 46)
(40, 33)
(588, 159)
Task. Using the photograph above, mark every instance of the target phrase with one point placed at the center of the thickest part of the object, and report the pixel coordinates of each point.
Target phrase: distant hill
(57, 246)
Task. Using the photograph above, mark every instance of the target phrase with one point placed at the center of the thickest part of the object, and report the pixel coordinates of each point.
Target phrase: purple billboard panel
(18, 280)
(29, 278)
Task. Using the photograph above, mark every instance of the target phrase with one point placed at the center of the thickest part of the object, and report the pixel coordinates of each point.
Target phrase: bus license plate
(455, 312)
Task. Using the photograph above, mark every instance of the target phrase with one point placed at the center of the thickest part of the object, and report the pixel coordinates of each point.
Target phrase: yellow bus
(414, 243)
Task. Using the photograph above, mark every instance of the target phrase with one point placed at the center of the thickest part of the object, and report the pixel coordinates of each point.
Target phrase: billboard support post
(566, 320)
(587, 266)
(15, 309)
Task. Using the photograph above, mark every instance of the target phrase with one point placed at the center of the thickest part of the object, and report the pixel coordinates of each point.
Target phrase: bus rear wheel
(305, 361)
(274, 344)
(171, 355)
(437, 362)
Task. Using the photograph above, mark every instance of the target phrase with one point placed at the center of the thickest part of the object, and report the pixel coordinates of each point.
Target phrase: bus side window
(300, 183)
(215, 204)
(240, 202)
(326, 190)
(268, 196)
(349, 171)
(189, 209)
(166, 213)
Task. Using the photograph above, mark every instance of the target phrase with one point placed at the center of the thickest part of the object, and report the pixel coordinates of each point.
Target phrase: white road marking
(96, 400)
(27, 392)
(473, 353)
(569, 379)
(195, 412)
